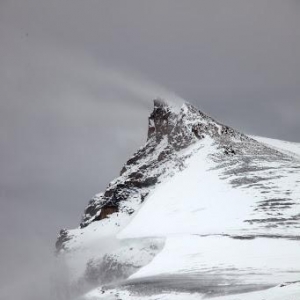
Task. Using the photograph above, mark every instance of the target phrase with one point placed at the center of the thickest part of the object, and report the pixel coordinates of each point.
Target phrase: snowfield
(224, 261)
(200, 211)
(186, 203)
(283, 292)
(284, 146)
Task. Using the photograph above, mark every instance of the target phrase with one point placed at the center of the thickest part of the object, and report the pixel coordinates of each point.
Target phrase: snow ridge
(195, 188)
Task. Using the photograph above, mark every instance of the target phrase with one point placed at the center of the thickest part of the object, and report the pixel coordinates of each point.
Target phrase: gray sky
(76, 83)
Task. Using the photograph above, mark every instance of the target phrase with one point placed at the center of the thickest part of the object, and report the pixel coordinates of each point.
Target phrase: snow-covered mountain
(201, 210)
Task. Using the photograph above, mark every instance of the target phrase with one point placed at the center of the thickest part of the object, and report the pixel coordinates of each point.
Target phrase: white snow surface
(196, 201)
(286, 292)
(252, 261)
(194, 204)
(289, 148)
(193, 201)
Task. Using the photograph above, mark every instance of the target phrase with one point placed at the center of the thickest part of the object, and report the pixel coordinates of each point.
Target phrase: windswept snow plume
(65, 92)
(56, 107)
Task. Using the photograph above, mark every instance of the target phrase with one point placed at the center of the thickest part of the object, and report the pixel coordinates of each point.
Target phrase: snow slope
(187, 203)
(201, 210)
(223, 263)
(286, 147)
(282, 292)
(196, 201)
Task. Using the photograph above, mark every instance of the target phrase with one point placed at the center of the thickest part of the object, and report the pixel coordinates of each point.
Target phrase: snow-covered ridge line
(170, 130)
(289, 148)
(196, 187)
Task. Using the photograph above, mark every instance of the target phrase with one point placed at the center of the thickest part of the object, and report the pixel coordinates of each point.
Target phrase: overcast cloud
(76, 83)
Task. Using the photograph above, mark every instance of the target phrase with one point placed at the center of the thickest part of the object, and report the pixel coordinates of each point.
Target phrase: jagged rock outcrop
(169, 130)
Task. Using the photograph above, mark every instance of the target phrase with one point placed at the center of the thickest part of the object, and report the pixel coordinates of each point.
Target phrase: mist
(88, 119)
(64, 129)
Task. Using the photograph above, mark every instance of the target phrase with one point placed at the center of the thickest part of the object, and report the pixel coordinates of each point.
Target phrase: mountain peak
(184, 126)
(170, 130)
(159, 120)
(165, 116)
(195, 181)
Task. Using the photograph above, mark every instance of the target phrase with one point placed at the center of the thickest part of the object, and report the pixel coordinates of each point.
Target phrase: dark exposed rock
(136, 157)
(91, 209)
(160, 120)
(136, 175)
(164, 154)
(123, 170)
(143, 196)
(106, 211)
(229, 150)
(180, 137)
(145, 183)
